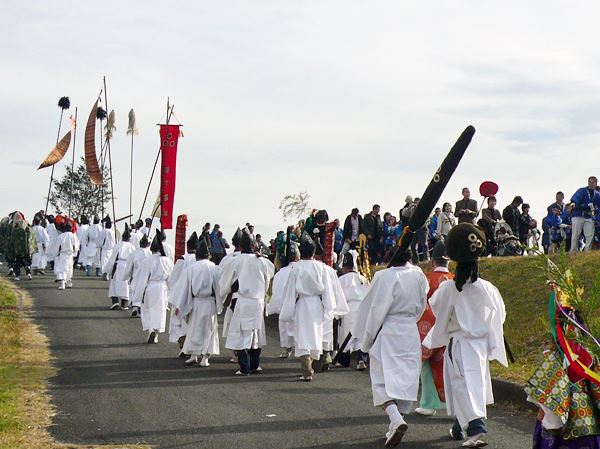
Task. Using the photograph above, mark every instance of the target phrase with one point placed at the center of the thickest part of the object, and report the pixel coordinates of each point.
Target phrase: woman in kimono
(118, 289)
(388, 314)
(152, 290)
(199, 307)
(469, 315)
(133, 270)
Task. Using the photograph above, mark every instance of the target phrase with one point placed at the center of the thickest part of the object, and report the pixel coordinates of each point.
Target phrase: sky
(354, 102)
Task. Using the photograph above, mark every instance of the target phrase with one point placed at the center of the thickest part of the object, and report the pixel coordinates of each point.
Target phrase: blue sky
(354, 102)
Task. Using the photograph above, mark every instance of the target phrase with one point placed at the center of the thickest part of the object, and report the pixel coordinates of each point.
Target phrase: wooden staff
(112, 190)
(63, 103)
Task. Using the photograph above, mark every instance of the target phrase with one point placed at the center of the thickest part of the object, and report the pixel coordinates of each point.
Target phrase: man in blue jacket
(585, 204)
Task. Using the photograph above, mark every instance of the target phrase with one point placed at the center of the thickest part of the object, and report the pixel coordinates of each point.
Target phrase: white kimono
(105, 242)
(199, 306)
(135, 238)
(38, 259)
(132, 271)
(247, 326)
(119, 287)
(62, 250)
(152, 292)
(225, 268)
(354, 287)
(88, 251)
(386, 326)
(81, 232)
(169, 251)
(473, 319)
(52, 235)
(177, 283)
(311, 301)
(286, 328)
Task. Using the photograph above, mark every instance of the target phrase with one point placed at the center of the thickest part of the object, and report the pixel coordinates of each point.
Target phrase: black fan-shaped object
(64, 103)
(100, 113)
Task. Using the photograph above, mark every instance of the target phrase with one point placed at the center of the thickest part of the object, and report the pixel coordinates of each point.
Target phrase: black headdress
(64, 103)
(203, 250)
(236, 240)
(157, 246)
(192, 243)
(85, 220)
(96, 219)
(144, 242)
(246, 243)
(464, 244)
(126, 233)
(307, 246)
(348, 261)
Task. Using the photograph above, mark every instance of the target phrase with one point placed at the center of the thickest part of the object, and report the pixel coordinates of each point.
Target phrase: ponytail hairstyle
(465, 271)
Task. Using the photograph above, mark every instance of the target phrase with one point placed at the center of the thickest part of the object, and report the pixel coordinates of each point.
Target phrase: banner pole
(52, 172)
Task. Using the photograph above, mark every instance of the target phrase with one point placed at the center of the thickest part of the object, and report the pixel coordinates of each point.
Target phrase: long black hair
(464, 272)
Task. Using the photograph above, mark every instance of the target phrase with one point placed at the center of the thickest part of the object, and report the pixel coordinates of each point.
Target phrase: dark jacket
(372, 225)
(511, 217)
(348, 226)
(465, 204)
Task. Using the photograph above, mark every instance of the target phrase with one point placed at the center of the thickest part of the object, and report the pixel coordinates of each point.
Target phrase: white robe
(354, 287)
(247, 326)
(199, 307)
(132, 271)
(88, 244)
(119, 287)
(177, 285)
(38, 259)
(386, 325)
(169, 251)
(152, 292)
(473, 319)
(135, 238)
(81, 232)
(52, 235)
(105, 242)
(62, 250)
(312, 298)
(286, 328)
(225, 267)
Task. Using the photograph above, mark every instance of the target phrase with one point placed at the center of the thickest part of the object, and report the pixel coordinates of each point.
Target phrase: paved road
(113, 388)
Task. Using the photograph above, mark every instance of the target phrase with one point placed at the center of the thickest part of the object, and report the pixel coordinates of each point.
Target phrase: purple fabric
(541, 441)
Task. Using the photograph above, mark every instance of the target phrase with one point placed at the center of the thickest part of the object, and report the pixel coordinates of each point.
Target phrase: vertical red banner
(169, 136)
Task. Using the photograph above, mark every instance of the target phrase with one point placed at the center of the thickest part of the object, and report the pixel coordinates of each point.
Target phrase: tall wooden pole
(73, 166)
(112, 190)
(52, 172)
(131, 176)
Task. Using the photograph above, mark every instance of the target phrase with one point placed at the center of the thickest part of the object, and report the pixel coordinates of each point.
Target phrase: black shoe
(152, 338)
(134, 312)
(124, 304)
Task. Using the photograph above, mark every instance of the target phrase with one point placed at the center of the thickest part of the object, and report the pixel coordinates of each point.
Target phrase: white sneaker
(204, 361)
(394, 436)
(425, 411)
(361, 366)
(475, 441)
(61, 285)
(192, 360)
(17, 278)
(69, 284)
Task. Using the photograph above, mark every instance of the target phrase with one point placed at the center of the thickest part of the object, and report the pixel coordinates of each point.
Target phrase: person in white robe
(52, 235)
(386, 326)
(354, 286)
(199, 306)
(63, 249)
(469, 315)
(312, 297)
(118, 289)
(152, 290)
(81, 232)
(286, 328)
(132, 272)
(246, 334)
(177, 286)
(105, 242)
(42, 240)
(89, 248)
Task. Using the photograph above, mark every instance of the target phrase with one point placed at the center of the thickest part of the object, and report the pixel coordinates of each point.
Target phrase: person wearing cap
(310, 304)
(105, 242)
(388, 314)
(252, 274)
(177, 291)
(354, 286)
(286, 329)
(132, 272)
(63, 249)
(469, 315)
(432, 372)
(88, 246)
(199, 306)
(118, 289)
(152, 291)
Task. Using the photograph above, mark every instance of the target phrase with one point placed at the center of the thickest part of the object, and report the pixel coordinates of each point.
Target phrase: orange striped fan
(91, 161)
(58, 152)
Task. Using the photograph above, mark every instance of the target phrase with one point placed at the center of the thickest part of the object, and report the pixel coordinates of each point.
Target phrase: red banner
(169, 136)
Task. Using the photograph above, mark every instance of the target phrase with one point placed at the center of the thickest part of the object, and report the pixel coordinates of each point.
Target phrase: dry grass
(25, 367)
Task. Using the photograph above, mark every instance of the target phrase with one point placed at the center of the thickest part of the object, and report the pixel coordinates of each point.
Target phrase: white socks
(394, 414)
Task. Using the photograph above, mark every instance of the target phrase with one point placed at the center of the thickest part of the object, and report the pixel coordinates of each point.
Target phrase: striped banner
(91, 161)
(58, 152)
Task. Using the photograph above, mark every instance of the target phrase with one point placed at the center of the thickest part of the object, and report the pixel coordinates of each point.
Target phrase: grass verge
(25, 367)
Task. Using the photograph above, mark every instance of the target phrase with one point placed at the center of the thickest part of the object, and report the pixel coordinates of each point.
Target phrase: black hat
(307, 246)
(202, 250)
(126, 233)
(246, 242)
(96, 219)
(348, 261)
(162, 235)
(157, 245)
(107, 219)
(192, 243)
(465, 242)
(84, 219)
(144, 242)
(237, 238)
(439, 251)
(321, 216)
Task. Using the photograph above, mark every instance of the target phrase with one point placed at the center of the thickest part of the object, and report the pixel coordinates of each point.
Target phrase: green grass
(523, 286)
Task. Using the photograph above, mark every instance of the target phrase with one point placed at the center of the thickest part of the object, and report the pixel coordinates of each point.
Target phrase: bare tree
(295, 205)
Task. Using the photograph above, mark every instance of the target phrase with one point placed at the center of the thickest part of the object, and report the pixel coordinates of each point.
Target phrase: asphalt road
(111, 387)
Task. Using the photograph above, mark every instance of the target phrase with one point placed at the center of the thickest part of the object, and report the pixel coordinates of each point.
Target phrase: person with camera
(584, 206)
